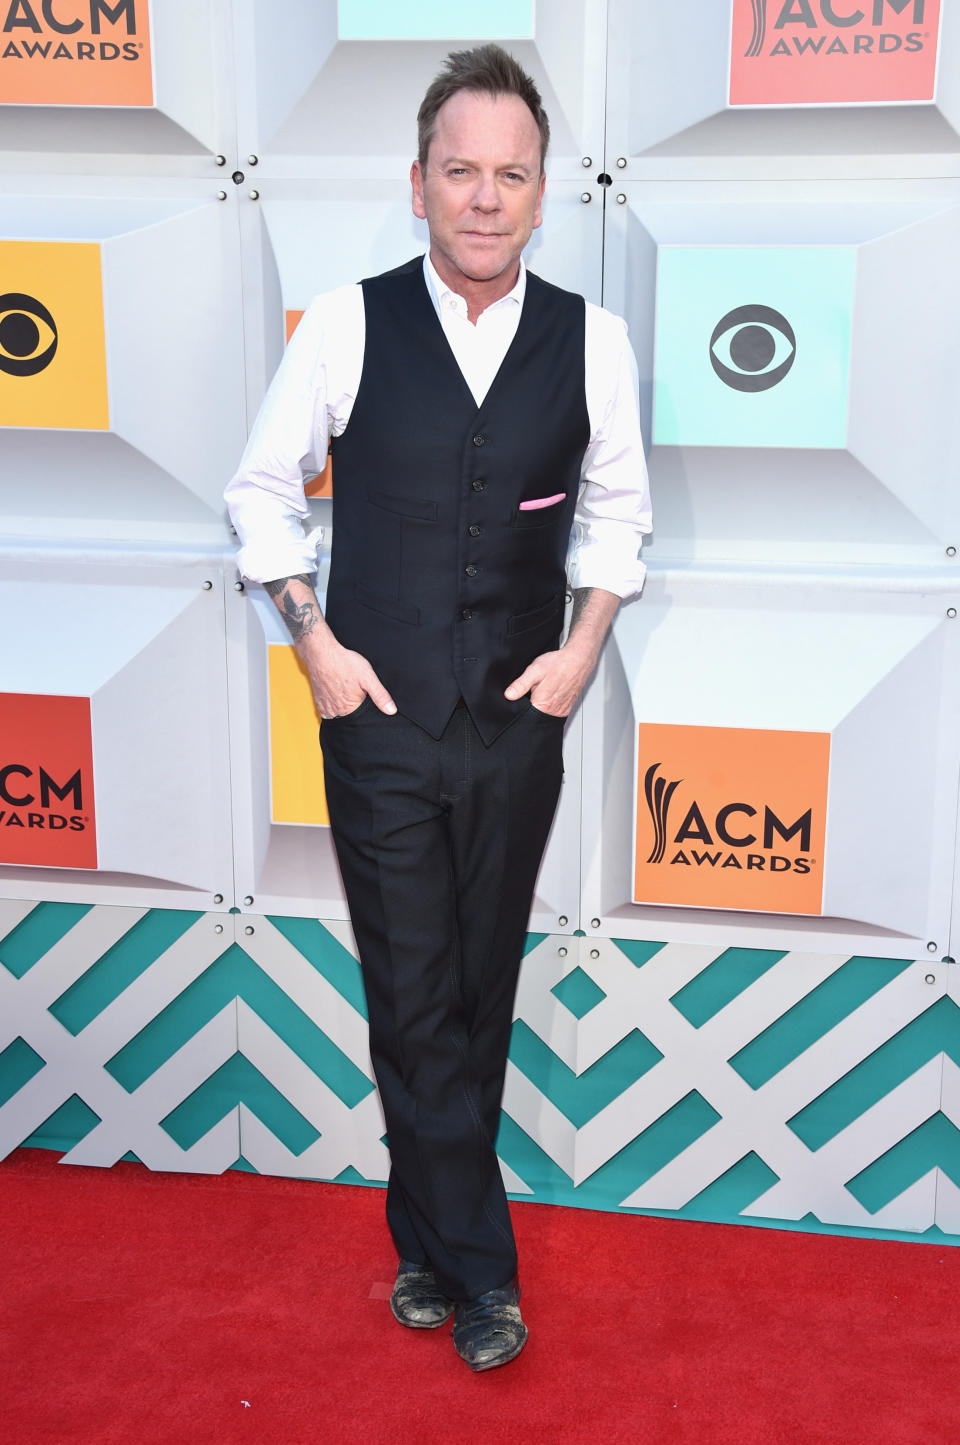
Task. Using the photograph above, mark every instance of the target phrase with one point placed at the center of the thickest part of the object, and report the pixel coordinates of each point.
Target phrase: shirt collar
(439, 291)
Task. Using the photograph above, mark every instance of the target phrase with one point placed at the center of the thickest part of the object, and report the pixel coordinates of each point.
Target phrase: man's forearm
(593, 611)
(556, 679)
(296, 601)
(338, 677)
(297, 604)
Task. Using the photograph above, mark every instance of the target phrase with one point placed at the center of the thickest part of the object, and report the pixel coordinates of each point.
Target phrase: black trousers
(439, 842)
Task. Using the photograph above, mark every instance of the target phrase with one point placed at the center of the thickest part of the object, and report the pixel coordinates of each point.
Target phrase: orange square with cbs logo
(47, 813)
(731, 818)
(75, 52)
(53, 359)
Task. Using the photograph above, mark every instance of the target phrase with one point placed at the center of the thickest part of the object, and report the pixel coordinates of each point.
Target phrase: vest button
(465, 614)
(479, 440)
(471, 570)
(474, 530)
(478, 484)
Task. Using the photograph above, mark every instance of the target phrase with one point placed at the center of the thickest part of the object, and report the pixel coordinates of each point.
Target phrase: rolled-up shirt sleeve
(613, 509)
(289, 441)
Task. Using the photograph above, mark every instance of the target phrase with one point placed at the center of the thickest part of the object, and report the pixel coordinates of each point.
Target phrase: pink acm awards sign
(833, 52)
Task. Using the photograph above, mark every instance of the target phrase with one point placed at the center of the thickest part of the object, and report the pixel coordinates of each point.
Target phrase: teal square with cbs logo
(753, 346)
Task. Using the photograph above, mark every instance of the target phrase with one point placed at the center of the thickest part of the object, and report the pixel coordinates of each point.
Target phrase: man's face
(481, 188)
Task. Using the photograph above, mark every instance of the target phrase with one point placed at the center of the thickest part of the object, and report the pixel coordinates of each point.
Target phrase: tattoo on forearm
(301, 617)
(581, 597)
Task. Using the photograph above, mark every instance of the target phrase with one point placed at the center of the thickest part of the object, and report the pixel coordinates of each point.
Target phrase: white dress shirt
(312, 394)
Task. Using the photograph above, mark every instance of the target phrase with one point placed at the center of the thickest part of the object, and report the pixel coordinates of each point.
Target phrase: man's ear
(538, 213)
(416, 184)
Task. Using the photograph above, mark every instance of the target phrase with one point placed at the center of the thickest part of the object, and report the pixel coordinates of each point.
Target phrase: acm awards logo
(25, 788)
(47, 816)
(723, 829)
(730, 817)
(22, 16)
(823, 15)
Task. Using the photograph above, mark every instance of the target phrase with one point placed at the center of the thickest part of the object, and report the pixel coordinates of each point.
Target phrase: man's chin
(484, 267)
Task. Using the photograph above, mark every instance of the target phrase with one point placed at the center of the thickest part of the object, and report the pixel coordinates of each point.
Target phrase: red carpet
(141, 1307)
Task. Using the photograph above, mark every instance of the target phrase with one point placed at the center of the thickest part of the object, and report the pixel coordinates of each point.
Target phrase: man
(477, 415)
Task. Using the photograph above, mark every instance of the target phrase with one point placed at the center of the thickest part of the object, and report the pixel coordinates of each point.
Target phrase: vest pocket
(538, 617)
(387, 606)
(543, 513)
(416, 507)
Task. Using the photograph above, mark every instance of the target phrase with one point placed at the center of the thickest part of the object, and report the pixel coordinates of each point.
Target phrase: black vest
(438, 576)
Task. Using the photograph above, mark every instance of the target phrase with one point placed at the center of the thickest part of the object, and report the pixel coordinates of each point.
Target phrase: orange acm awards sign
(47, 817)
(75, 52)
(731, 818)
(833, 52)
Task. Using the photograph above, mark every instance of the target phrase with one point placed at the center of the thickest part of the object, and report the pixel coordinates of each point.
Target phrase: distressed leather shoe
(417, 1301)
(489, 1331)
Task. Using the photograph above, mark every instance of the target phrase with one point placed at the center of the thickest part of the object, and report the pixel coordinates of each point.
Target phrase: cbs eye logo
(752, 348)
(28, 335)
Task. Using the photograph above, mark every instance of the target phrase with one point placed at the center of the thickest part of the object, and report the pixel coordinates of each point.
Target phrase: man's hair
(486, 70)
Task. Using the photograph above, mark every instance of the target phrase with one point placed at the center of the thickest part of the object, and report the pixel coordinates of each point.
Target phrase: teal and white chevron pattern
(815, 1091)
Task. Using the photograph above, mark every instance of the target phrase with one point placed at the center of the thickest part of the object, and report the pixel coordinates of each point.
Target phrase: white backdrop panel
(171, 326)
(874, 668)
(668, 100)
(832, 464)
(305, 94)
(192, 116)
(142, 636)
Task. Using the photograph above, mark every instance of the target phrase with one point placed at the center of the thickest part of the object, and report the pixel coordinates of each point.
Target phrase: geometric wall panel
(734, 86)
(812, 1090)
(305, 72)
(782, 663)
(793, 1083)
(83, 988)
(152, 79)
(125, 410)
(768, 369)
(135, 644)
(127, 1031)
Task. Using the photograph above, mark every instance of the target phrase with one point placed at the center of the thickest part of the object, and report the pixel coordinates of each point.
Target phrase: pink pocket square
(541, 502)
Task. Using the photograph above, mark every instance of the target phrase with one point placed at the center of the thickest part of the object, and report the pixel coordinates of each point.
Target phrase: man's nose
(486, 196)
